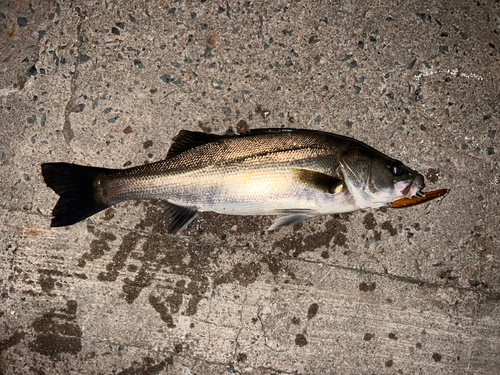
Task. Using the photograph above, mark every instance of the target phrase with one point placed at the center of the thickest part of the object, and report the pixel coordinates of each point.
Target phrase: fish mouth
(414, 187)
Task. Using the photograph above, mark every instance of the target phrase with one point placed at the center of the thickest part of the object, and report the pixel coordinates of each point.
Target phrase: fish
(298, 173)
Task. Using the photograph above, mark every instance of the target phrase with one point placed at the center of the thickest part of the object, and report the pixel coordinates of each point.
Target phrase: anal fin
(180, 216)
(288, 220)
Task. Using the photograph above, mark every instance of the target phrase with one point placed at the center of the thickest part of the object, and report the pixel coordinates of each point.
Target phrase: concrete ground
(109, 83)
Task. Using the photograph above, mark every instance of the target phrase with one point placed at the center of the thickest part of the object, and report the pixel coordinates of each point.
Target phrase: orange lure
(408, 202)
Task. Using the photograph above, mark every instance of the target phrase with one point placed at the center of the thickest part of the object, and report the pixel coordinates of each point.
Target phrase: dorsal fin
(318, 180)
(186, 140)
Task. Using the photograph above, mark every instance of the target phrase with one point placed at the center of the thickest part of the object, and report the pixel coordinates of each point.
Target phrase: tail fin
(75, 186)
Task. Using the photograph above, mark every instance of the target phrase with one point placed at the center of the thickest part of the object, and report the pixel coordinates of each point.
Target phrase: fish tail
(75, 186)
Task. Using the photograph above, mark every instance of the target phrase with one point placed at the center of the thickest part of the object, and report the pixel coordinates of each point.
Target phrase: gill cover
(375, 179)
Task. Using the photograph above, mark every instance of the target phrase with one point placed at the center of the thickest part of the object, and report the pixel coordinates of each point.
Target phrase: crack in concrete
(71, 105)
(275, 371)
(209, 324)
(266, 336)
(405, 279)
(472, 336)
(237, 344)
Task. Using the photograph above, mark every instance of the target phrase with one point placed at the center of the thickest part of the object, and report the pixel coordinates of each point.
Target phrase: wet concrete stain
(129, 242)
(56, 332)
(133, 287)
(279, 267)
(109, 214)
(46, 281)
(300, 340)
(154, 219)
(147, 367)
(168, 299)
(274, 263)
(141, 259)
(98, 247)
(168, 302)
(297, 243)
(49, 279)
(367, 287)
(221, 225)
(11, 341)
(313, 310)
(244, 274)
(370, 224)
(142, 256)
(368, 336)
(387, 225)
(369, 221)
(162, 309)
(436, 357)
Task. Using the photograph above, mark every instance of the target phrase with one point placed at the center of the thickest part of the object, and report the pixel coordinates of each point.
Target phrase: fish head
(374, 179)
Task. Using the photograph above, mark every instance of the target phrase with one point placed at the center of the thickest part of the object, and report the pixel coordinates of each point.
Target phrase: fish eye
(396, 169)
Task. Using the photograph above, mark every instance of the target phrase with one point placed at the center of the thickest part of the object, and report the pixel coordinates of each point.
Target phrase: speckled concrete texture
(109, 83)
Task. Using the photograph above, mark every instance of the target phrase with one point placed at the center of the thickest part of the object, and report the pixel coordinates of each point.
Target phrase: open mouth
(414, 187)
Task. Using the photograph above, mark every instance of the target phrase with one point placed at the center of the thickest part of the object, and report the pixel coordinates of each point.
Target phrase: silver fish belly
(301, 173)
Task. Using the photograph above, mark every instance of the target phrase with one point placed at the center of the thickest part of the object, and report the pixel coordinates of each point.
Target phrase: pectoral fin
(288, 220)
(318, 180)
(180, 216)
